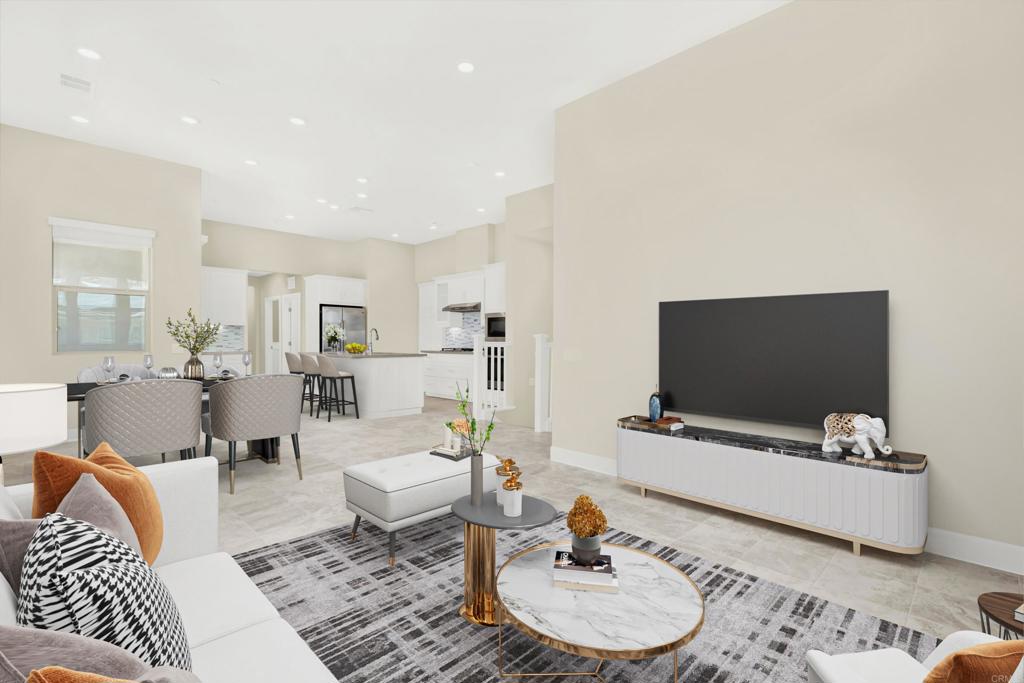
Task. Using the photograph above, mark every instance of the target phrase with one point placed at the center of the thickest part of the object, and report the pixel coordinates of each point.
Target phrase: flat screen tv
(781, 359)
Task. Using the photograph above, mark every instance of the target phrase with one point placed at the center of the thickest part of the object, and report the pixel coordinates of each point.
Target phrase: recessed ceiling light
(79, 119)
(89, 54)
(296, 121)
(361, 195)
(289, 217)
(433, 226)
(481, 210)
(321, 201)
(334, 206)
(190, 120)
(251, 162)
(361, 180)
(499, 174)
(394, 234)
(466, 67)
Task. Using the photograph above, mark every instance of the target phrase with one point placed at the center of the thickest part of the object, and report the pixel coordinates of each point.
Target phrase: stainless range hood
(471, 307)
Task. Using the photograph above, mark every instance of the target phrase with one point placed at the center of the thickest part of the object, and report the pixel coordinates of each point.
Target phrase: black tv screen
(783, 359)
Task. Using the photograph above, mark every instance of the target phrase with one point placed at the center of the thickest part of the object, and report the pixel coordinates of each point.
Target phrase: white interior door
(291, 312)
(274, 355)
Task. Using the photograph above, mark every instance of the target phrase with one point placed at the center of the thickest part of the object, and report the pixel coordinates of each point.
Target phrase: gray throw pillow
(87, 501)
(31, 648)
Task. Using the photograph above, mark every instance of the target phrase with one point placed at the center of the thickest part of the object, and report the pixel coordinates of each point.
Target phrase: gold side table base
(478, 595)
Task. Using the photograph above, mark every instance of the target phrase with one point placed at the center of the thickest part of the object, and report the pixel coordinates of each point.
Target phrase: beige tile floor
(927, 592)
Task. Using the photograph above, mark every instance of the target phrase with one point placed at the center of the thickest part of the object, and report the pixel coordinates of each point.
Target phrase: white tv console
(881, 502)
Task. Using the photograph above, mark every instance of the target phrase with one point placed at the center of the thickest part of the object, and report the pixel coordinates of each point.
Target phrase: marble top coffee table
(657, 610)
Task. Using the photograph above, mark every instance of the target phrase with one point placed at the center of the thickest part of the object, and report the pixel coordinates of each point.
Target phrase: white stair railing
(491, 377)
(542, 383)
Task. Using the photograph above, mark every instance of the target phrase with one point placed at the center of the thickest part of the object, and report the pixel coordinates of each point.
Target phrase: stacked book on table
(600, 576)
(1018, 613)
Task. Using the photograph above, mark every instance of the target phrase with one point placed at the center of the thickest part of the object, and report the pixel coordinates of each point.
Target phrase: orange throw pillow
(58, 674)
(53, 476)
(979, 664)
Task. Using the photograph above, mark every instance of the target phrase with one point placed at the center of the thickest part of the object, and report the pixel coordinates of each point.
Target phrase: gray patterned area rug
(373, 624)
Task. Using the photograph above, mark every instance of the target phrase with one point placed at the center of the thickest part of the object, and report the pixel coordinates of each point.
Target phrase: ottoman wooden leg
(391, 548)
(355, 527)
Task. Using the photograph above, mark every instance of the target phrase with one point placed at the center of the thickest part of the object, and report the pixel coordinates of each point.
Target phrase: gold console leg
(478, 597)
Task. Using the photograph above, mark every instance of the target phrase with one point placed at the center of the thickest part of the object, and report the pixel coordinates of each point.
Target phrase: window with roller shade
(101, 282)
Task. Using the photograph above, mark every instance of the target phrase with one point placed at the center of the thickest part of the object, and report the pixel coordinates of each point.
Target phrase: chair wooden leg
(355, 526)
(355, 399)
(163, 457)
(295, 447)
(209, 445)
(277, 450)
(319, 404)
(342, 404)
(231, 467)
(183, 454)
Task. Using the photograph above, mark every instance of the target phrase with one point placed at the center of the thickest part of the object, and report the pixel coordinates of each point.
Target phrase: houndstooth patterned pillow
(78, 579)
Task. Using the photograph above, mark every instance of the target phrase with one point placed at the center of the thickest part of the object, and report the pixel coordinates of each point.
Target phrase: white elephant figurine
(857, 429)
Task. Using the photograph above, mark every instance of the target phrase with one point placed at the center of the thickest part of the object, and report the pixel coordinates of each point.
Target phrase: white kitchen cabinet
(444, 374)
(466, 288)
(494, 288)
(327, 289)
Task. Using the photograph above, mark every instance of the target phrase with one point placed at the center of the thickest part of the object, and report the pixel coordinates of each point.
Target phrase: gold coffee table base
(478, 595)
(596, 673)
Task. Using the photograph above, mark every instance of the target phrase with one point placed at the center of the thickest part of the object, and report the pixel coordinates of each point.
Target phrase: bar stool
(331, 379)
(311, 381)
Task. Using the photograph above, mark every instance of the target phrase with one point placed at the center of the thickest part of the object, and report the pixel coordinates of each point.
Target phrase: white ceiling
(376, 82)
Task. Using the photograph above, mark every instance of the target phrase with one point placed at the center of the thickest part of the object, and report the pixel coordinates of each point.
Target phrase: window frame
(101, 235)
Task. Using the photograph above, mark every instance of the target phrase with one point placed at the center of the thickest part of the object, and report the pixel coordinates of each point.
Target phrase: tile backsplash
(231, 338)
(462, 337)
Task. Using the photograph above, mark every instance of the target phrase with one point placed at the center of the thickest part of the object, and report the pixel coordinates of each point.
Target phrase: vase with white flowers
(195, 337)
(334, 335)
(474, 437)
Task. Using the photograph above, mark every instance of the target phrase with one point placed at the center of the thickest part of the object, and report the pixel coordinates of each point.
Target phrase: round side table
(480, 523)
(999, 607)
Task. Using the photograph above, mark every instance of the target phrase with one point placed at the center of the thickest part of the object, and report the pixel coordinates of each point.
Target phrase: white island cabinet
(387, 384)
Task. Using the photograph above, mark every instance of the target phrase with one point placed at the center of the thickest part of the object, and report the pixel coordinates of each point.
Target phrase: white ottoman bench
(397, 492)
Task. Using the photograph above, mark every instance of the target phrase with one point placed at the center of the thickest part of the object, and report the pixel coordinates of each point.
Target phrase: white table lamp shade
(32, 416)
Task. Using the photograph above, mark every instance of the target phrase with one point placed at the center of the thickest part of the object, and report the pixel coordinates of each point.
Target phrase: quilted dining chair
(259, 407)
(145, 417)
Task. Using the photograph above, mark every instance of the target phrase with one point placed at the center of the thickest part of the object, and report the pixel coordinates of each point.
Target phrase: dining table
(77, 391)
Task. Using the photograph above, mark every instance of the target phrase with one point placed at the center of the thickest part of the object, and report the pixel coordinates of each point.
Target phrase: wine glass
(147, 361)
(247, 360)
(218, 360)
(108, 365)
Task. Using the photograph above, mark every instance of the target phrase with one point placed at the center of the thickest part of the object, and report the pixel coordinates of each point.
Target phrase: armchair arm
(823, 668)
(957, 640)
(187, 491)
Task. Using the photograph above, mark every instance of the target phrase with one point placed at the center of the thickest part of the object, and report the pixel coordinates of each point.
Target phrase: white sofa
(235, 634)
(886, 665)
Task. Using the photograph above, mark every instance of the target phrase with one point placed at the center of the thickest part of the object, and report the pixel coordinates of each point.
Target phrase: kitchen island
(387, 384)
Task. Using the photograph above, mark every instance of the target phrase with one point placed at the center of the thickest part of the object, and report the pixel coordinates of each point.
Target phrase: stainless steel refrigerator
(352, 319)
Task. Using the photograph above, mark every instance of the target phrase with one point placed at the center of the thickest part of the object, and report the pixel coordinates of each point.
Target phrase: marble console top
(906, 463)
(656, 610)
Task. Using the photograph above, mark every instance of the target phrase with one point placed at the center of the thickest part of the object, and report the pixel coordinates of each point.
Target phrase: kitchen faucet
(369, 338)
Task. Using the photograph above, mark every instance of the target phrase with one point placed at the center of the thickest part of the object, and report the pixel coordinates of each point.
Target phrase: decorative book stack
(600, 576)
(1018, 613)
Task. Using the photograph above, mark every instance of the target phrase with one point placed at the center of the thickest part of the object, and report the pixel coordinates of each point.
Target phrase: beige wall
(435, 258)
(822, 147)
(43, 176)
(249, 248)
(393, 303)
(528, 264)
(468, 249)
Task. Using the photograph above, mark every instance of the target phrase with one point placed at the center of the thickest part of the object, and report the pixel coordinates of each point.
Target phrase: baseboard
(585, 461)
(976, 550)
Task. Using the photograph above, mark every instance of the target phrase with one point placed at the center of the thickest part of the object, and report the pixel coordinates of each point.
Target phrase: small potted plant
(195, 337)
(587, 523)
(334, 335)
(474, 436)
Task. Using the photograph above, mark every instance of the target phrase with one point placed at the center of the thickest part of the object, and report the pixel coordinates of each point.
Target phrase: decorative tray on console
(897, 462)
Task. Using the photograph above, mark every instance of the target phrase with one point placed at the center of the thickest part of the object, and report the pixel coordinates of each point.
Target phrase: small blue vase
(654, 407)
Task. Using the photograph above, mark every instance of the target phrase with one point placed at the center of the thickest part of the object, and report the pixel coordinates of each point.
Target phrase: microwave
(495, 327)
